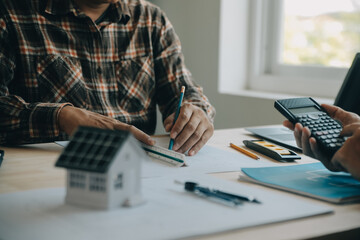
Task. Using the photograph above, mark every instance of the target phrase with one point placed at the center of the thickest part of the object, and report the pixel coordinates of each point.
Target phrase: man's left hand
(191, 130)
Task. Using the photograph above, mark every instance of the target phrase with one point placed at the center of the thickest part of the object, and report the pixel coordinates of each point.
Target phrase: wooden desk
(32, 166)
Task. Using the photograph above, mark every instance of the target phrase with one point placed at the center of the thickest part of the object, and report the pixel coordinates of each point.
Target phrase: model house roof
(92, 149)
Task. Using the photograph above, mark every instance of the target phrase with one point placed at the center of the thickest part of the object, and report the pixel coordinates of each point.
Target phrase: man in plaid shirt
(100, 63)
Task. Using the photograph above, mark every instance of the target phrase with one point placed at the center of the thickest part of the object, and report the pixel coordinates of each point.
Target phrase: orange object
(244, 151)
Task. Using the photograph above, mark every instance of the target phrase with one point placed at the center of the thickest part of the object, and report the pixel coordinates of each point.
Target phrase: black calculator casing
(310, 114)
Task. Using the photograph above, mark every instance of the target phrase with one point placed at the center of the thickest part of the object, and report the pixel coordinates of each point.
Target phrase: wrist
(62, 116)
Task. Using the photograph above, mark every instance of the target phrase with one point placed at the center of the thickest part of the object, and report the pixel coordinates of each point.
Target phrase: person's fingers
(202, 141)
(190, 130)
(289, 125)
(183, 118)
(298, 134)
(193, 138)
(305, 144)
(332, 110)
(138, 134)
(341, 115)
(335, 162)
(349, 130)
(328, 163)
(168, 123)
(318, 155)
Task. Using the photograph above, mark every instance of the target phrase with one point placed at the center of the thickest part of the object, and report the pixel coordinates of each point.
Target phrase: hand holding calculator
(310, 114)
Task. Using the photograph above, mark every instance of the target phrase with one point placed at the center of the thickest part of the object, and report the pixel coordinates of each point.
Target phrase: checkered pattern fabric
(52, 55)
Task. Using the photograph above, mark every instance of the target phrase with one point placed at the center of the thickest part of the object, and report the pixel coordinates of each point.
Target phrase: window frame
(264, 71)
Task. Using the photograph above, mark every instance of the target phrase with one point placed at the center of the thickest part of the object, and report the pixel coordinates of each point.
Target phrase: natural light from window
(320, 32)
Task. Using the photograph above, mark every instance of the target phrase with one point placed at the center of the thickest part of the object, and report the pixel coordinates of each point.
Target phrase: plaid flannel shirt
(52, 55)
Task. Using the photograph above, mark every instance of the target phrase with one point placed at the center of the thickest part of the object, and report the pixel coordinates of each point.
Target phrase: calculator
(310, 114)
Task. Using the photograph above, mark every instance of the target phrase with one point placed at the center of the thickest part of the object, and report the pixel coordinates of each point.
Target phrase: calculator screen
(296, 111)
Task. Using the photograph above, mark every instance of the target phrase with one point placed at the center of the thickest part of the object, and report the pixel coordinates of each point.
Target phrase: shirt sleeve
(22, 122)
(171, 73)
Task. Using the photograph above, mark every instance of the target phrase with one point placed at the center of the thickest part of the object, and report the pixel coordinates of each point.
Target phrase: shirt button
(99, 70)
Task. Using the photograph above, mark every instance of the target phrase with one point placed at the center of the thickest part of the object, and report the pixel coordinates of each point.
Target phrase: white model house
(103, 168)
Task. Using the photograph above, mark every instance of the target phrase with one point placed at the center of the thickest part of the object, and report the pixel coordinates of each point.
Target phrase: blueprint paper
(169, 213)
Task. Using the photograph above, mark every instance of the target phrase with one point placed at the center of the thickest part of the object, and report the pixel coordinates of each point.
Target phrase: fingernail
(191, 153)
(173, 135)
(151, 141)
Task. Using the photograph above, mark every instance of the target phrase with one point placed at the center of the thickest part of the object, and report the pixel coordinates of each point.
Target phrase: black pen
(240, 197)
(210, 193)
(236, 199)
(206, 192)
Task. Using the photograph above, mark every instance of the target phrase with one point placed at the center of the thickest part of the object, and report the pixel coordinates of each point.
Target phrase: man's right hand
(70, 118)
(350, 122)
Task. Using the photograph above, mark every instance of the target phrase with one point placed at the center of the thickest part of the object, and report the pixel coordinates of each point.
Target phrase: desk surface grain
(32, 167)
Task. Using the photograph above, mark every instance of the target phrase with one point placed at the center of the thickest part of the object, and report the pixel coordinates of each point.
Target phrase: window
(326, 34)
(302, 46)
(97, 183)
(77, 180)
(118, 183)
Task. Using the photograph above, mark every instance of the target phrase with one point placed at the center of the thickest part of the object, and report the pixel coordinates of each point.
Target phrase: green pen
(171, 144)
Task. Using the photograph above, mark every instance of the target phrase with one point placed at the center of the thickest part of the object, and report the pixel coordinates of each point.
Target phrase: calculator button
(313, 116)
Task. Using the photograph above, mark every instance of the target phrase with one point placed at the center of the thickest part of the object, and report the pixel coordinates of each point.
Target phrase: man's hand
(191, 130)
(347, 158)
(350, 122)
(70, 118)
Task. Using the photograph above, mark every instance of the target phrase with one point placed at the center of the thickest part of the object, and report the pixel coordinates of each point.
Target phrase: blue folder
(312, 180)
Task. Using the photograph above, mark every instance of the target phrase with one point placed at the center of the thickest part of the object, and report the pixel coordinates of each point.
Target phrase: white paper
(169, 213)
(208, 160)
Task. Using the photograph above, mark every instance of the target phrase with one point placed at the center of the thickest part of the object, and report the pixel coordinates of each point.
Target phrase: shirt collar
(119, 12)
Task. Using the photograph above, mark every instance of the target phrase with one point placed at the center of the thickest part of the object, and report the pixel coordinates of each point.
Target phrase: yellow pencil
(244, 151)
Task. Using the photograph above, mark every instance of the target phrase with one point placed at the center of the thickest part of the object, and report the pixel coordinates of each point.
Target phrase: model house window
(118, 184)
(301, 46)
(97, 183)
(77, 180)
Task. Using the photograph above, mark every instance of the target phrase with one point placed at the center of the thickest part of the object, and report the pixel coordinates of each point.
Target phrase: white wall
(197, 22)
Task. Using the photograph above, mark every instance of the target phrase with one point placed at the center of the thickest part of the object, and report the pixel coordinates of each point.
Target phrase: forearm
(22, 122)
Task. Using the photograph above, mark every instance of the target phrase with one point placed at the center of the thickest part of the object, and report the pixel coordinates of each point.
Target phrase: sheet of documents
(169, 213)
(208, 160)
